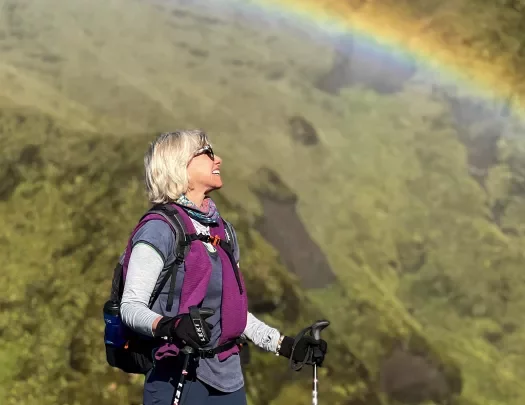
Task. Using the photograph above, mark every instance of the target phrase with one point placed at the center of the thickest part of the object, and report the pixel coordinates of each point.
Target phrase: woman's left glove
(307, 350)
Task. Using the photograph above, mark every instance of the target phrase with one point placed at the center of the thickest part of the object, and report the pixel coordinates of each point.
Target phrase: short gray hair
(166, 163)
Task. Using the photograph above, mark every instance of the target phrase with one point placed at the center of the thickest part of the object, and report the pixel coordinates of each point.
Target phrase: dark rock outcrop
(302, 131)
(282, 227)
(413, 379)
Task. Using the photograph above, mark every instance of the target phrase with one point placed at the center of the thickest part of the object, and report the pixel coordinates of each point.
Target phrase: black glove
(190, 329)
(301, 352)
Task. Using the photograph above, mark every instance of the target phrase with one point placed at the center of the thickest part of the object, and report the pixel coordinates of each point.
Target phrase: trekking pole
(316, 333)
(188, 351)
(198, 317)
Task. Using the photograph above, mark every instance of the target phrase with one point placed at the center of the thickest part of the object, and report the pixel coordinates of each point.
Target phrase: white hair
(166, 164)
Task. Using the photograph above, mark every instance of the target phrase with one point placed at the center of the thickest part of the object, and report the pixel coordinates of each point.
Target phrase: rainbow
(388, 30)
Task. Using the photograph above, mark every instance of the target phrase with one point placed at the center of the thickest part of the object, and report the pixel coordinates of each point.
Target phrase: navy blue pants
(162, 380)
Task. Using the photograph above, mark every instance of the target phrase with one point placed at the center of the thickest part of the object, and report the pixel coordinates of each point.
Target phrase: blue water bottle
(113, 333)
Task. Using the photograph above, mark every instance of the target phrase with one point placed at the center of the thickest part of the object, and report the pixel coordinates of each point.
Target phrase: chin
(215, 186)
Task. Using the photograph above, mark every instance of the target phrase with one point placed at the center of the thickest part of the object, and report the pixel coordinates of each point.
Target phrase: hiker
(181, 169)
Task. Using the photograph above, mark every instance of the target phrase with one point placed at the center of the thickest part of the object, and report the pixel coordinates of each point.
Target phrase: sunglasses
(207, 150)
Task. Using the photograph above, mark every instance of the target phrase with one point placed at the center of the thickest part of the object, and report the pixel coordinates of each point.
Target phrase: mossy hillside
(76, 215)
(386, 194)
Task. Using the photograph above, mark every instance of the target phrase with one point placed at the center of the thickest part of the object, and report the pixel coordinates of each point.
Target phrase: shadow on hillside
(282, 227)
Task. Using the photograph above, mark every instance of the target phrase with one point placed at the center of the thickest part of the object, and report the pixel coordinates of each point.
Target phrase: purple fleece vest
(234, 305)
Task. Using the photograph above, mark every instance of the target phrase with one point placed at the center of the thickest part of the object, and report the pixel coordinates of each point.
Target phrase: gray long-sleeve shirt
(144, 268)
(152, 246)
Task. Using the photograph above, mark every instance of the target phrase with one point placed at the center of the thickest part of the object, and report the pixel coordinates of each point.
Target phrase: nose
(218, 160)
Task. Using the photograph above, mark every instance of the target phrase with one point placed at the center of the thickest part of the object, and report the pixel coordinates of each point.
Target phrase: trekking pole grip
(317, 327)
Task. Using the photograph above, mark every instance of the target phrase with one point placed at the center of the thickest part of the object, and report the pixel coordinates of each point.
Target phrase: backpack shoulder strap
(181, 248)
(231, 240)
(228, 230)
(229, 246)
(172, 216)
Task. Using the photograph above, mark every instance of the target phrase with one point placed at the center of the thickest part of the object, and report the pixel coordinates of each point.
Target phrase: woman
(181, 169)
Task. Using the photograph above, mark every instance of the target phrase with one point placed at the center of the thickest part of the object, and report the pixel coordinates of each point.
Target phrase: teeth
(216, 172)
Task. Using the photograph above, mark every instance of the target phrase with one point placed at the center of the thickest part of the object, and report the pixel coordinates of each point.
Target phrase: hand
(307, 350)
(196, 336)
(194, 332)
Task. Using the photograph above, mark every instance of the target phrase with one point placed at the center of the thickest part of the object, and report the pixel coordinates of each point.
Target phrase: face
(204, 170)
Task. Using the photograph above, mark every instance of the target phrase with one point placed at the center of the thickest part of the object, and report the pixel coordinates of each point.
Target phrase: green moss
(420, 262)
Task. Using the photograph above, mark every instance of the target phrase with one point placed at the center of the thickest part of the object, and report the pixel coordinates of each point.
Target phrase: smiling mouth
(217, 172)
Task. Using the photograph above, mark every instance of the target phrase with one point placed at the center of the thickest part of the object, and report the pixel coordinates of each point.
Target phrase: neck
(196, 197)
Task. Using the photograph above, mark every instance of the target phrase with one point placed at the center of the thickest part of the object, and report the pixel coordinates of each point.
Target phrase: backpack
(127, 350)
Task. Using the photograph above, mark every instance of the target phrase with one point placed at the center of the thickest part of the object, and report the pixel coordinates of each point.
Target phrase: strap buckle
(215, 240)
(207, 353)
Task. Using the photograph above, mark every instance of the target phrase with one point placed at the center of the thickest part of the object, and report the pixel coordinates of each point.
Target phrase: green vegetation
(428, 259)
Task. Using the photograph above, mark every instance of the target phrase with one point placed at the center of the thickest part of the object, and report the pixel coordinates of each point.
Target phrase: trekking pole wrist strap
(279, 344)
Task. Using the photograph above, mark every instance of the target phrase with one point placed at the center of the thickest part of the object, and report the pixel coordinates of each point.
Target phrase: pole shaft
(178, 390)
(314, 391)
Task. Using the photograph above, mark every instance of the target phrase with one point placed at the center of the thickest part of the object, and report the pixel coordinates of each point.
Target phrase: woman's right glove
(191, 329)
(307, 350)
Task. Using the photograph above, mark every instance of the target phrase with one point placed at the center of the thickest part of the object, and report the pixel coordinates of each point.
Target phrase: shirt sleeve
(152, 248)
(261, 334)
(144, 268)
(159, 236)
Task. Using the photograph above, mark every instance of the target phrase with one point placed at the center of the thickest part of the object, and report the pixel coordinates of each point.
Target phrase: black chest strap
(211, 353)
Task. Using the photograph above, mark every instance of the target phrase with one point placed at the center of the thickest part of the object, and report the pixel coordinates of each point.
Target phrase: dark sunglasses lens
(209, 152)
